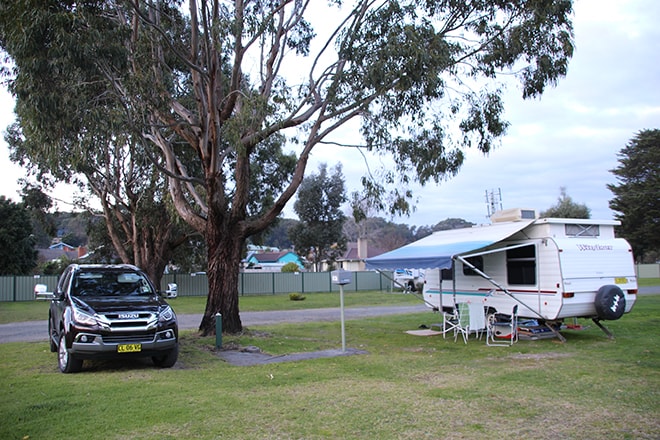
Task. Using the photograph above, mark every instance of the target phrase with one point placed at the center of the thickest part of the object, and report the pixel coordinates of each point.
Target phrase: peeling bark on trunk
(224, 256)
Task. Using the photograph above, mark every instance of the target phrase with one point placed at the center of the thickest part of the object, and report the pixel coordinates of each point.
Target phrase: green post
(218, 330)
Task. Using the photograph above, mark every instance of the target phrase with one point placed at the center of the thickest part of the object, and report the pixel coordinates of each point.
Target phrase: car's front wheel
(66, 361)
(51, 336)
(167, 360)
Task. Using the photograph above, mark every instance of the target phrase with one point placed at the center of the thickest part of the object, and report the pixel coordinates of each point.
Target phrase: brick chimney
(362, 248)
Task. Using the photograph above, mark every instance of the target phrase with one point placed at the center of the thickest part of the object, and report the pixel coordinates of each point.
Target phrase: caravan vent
(512, 215)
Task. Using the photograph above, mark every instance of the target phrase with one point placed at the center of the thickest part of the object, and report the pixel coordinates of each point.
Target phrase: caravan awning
(437, 250)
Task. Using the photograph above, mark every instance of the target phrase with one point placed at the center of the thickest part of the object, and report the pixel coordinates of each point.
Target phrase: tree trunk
(224, 258)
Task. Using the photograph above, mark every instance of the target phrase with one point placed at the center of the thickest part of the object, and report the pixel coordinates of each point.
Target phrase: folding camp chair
(477, 318)
(449, 321)
(463, 324)
(502, 327)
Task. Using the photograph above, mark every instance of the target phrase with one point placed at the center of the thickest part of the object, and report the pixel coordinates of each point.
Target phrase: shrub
(296, 297)
(290, 267)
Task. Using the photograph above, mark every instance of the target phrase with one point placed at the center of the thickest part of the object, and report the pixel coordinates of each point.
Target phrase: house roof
(61, 245)
(351, 253)
(55, 254)
(269, 257)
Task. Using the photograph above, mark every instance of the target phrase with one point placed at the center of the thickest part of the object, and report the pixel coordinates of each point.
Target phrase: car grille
(129, 337)
(125, 321)
(116, 325)
(117, 316)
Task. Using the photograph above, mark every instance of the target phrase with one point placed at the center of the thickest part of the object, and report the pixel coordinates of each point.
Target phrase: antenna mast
(493, 201)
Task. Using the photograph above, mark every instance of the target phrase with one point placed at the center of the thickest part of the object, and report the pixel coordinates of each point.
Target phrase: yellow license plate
(621, 280)
(129, 348)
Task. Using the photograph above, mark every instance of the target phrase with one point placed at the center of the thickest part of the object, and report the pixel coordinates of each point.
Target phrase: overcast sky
(568, 138)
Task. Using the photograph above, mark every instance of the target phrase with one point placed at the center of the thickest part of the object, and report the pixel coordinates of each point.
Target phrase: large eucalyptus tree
(213, 84)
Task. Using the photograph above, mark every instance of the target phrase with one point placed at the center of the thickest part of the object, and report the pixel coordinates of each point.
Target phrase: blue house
(271, 261)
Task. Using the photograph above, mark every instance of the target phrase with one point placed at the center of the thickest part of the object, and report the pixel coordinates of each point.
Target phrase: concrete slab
(250, 357)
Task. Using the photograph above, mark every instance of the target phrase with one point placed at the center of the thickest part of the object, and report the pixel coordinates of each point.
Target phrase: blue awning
(437, 250)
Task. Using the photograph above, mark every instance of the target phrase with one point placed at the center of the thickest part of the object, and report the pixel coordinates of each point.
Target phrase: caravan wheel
(610, 303)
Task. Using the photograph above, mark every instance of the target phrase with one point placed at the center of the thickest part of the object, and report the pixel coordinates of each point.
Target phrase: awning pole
(453, 280)
(504, 289)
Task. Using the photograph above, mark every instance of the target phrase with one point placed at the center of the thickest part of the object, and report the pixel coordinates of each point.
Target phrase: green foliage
(55, 267)
(636, 194)
(38, 203)
(386, 235)
(318, 206)
(278, 234)
(290, 267)
(567, 208)
(17, 254)
(452, 223)
(410, 58)
(296, 297)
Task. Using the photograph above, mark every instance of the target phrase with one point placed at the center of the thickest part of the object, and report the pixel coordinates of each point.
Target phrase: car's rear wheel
(167, 360)
(66, 361)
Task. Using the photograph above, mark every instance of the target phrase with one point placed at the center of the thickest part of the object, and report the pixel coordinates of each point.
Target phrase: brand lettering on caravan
(595, 247)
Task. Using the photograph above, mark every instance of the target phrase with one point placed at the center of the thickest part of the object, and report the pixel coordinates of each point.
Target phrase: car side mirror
(41, 293)
(172, 291)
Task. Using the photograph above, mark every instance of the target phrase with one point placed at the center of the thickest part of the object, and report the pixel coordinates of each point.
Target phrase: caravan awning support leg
(603, 328)
(556, 332)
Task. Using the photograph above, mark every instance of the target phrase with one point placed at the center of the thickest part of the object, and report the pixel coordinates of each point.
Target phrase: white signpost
(341, 277)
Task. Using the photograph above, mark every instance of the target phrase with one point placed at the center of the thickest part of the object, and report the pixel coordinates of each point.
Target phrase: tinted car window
(106, 283)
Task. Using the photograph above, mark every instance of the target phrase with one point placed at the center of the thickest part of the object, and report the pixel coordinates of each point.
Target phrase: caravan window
(521, 265)
(582, 230)
(477, 262)
(446, 274)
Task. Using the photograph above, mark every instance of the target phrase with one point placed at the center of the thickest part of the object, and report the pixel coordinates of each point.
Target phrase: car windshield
(109, 283)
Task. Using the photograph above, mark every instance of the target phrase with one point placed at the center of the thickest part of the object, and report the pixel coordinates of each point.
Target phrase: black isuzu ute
(110, 311)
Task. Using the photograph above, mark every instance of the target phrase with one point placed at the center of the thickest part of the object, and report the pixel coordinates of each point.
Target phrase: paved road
(38, 330)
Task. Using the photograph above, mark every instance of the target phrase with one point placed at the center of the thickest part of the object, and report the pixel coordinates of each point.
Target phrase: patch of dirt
(248, 356)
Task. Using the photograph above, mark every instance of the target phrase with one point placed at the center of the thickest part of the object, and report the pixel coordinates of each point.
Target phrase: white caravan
(553, 268)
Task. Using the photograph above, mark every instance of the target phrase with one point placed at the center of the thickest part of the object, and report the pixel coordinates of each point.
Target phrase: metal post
(218, 330)
(343, 327)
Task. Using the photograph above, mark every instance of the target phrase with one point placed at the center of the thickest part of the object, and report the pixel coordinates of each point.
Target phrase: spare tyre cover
(610, 302)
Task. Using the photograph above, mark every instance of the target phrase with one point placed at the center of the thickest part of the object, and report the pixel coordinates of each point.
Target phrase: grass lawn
(644, 282)
(406, 387)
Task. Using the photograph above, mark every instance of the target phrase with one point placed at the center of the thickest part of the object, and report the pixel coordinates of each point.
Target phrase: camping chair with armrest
(500, 327)
(449, 321)
(463, 325)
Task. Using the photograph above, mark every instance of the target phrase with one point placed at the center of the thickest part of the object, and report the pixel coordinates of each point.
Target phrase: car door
(58, 304)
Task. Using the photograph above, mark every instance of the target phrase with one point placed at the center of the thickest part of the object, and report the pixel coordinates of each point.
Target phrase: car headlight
(166, 314)
(80, 317)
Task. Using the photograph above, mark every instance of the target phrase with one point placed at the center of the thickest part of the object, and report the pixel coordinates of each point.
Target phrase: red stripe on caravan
(524, 292)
